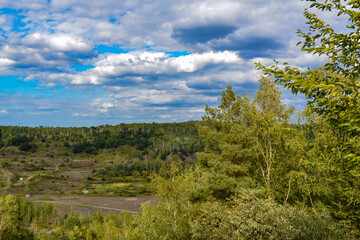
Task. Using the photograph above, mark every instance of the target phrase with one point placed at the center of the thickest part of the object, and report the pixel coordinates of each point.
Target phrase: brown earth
(86, 205)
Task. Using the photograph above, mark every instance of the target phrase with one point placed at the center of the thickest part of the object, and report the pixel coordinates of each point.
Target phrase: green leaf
(354, 173)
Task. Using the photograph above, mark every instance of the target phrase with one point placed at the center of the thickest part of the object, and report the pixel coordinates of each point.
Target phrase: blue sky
(84, 63)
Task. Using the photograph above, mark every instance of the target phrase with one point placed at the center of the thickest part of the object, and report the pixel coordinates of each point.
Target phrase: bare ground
(87, 205)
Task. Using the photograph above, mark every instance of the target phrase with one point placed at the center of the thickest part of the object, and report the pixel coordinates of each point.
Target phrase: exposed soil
(86, 205)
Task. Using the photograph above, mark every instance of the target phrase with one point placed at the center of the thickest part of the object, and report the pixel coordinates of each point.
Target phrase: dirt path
(86, 206)
(25, 180)
(7, 176)
(91, 204)
(28, 179)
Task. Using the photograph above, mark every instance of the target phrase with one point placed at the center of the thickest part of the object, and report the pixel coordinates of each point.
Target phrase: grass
(60, 176)
(59, 171)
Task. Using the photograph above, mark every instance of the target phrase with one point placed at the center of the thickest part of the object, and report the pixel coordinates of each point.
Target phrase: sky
(91, 62)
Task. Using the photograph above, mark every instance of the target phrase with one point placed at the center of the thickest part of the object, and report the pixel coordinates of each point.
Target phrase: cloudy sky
(92, 62)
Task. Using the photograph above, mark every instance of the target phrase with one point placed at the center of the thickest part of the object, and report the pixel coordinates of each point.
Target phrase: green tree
(334, 94)
(249, 142)
(8, 216)
(1, 141)
(10, 219)
(170, 217)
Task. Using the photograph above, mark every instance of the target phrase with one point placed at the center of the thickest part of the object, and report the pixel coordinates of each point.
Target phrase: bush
(18, 140)
(27, 147)
(136, 174)
(250, 217)
(144, 173)
(71, 221)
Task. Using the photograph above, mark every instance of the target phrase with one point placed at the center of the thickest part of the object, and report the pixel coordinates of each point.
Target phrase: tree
(27, 146)
(10, 216)
(170, 217)
(249, 141)
(334, 94)
(1, 141)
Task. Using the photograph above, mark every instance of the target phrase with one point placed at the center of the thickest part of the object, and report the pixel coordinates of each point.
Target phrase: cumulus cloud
(3, 112)
(59, 42)
(138, 67)
(40, 53)
(161, 24)
(6, 62)
(66, 31)
(48, 42)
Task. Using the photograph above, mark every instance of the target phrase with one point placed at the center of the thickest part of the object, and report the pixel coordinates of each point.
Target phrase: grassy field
(54, 174)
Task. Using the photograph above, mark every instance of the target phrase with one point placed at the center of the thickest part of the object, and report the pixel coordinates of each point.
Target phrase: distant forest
(154, 139)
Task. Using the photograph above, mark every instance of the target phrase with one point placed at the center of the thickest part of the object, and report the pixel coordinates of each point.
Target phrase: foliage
(97, 226)
(18, 140)
(121, 169)
(18, 216)
(9, 223)
(261, 175)
(20, 219)
(256, 162)
(153, 139)
(250, 217)
(28, 146)
(169, 217)
(250, 141)
(333, 93)
(247, 215)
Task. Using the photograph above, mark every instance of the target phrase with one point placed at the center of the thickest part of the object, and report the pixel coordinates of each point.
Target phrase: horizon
(100, 125)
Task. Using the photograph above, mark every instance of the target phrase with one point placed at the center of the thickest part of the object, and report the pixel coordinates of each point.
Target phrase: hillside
(96, 161)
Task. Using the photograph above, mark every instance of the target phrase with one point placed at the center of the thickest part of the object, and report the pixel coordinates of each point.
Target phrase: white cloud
(39, 54)
(67, 43)
(107, 105)
(149, 63)
(165, 116)
(6, 62)
(83, 114)
(156, 108)
(193, 62)
(143, 23)
(203, 12)
(155, 97)
(3, 112)
(58, 42)
(197, 110)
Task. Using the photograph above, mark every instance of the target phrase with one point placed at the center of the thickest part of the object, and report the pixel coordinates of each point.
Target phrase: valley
(110, 177)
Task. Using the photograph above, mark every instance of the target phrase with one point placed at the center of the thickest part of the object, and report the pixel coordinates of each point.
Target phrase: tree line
(153, 139)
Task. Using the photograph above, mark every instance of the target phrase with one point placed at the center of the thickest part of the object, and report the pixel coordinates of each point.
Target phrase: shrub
(27, 146)
(250, 217)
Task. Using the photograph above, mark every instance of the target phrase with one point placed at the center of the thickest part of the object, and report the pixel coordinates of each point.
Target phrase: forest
(253, 168)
